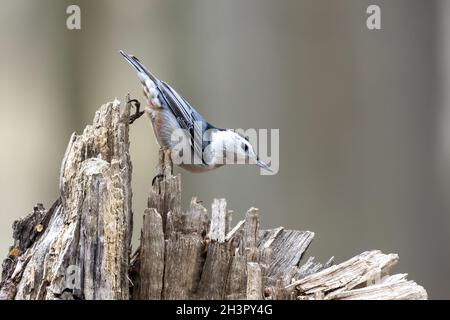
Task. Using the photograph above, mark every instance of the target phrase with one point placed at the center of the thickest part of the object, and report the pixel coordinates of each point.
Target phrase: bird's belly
(164, 126)
(198, 168)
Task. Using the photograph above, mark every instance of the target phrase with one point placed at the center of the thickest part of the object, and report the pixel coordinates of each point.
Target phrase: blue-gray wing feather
(187, 117)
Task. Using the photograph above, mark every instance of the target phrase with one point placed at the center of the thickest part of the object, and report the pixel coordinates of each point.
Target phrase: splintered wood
(80, 247)
(210, 259)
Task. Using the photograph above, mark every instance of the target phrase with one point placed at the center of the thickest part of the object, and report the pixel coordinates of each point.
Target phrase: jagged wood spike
(82, 251)
(151, 253)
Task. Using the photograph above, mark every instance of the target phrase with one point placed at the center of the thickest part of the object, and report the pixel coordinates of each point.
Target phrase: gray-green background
(364, 116)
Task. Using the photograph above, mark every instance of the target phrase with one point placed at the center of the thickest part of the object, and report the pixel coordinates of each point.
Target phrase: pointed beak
(261, 164)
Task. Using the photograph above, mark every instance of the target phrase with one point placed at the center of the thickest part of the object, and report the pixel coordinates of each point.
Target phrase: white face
(229, 147)
(244, 151)
(234, 147)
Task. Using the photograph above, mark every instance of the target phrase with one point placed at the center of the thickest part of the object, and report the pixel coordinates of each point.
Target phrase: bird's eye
(246, 147)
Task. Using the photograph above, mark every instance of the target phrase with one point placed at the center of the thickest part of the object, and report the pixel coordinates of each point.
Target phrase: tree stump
(80, 248)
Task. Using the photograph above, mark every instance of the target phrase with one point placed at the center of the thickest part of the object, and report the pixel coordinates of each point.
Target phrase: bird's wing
(187, 117)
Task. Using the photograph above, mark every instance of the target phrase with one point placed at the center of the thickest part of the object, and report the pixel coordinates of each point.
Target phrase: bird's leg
(158, 176)
(138, 113)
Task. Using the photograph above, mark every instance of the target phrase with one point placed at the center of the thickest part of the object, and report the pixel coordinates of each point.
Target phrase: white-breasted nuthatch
(207, 145)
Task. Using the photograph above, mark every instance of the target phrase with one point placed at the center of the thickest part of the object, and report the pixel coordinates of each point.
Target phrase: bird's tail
(140, 68)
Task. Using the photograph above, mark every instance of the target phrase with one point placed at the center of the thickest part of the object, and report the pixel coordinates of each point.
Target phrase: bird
(203, 146)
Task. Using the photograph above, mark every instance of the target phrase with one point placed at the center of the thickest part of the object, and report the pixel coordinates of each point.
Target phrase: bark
(79, 249)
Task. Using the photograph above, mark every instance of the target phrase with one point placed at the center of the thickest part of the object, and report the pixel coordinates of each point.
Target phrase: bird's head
(233, 146)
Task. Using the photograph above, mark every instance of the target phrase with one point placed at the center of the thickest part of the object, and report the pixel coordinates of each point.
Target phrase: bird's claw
(138, 113)
(158, 176)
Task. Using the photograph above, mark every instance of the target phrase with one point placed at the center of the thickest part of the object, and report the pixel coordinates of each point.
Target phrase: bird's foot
(138, 113)
(158, 176)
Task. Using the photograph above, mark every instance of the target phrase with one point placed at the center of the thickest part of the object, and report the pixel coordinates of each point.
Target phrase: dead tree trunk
(80, 247)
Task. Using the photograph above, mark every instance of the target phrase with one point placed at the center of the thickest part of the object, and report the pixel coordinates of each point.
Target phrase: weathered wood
(165, 195)
(365, 270)
(152, 257)
(251, 234)
(219, 220)
(391, 288)
(185, 246)
(25, 233)
(254, 281)
(214, 277)
(80, 247)
(287, 247)
(180, 256)
(246, 235)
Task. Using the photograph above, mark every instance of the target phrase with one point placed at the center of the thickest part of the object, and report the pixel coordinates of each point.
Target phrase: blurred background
(364, 116)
